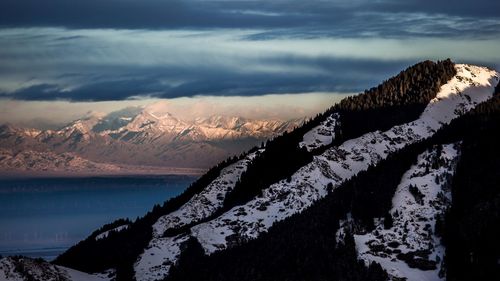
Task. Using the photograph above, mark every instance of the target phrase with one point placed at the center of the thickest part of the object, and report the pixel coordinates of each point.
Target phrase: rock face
(145, 137)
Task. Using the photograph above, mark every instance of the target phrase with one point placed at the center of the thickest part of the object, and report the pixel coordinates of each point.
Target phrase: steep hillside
(376, 205)
(312, 181)
(97, 255)
(281, 154)
(378, 187)
(405, 243)
(472, 224)
(286, 154)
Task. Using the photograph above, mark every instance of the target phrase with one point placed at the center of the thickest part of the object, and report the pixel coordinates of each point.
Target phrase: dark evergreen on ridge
(303, 246)
(120, 250)
(472, 225)
(396, 101)
(399, 100)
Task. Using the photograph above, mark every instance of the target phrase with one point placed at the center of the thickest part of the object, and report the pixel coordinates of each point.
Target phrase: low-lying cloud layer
(114, 50)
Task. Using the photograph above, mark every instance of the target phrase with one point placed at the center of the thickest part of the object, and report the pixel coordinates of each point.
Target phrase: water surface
(43, 217)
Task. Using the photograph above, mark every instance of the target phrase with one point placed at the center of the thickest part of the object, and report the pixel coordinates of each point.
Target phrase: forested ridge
(396, 101)
(399, 100)
(472, 225)
(120, 249)
(303, 247)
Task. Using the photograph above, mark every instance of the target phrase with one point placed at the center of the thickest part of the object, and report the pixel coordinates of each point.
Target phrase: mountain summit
(137, 137)
(391, 184)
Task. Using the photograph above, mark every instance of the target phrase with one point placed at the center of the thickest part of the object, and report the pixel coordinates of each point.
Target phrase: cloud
(340, 76)
(477, 9)
(124, 49)
(100, 65)
(293, 17)
(55, 114)
(147, 14)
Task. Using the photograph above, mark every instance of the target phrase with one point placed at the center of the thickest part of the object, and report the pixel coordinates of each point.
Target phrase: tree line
(396, 101)
(303, 247)
(120, 250)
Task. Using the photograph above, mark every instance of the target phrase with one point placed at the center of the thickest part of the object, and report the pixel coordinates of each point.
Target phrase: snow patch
(206, 202)
(322, 134)
(411, 248)
(106, 233)
(162, 251)
(161, 254)
(469, 87)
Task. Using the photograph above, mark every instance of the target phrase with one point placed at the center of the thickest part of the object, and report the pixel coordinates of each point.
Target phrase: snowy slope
(106, 233)
(156, 260)
(414, 216)
(321, 135)
(223, 127)
(152, 127)
(21, 269)
(469, 87)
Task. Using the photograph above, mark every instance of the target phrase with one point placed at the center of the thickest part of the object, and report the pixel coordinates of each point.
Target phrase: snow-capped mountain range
(135, 137)
(409, 248)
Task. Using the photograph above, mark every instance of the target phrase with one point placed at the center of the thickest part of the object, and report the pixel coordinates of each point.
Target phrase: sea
(42, 217)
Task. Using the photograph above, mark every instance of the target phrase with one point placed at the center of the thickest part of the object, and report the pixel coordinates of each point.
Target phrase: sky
(60, 59)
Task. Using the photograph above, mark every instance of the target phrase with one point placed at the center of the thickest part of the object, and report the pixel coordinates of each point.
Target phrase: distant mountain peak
(149, 136)
(369, 185)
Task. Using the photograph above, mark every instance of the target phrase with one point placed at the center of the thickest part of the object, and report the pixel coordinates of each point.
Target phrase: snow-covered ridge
(208, 201)
(145, 137)
(21, 269)
(81, 127)
(321, 135)
(470, 86)
(162, 252)
(106, 233)
(31, 132)
(410, 248)
(150, 126)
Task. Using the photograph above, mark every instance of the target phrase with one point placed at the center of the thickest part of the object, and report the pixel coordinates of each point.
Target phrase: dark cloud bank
(340, 76)
(315, 16)
(275, 19)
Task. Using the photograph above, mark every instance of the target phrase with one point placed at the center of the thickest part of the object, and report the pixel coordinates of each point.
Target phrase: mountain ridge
(141, 138)
(317, 203)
